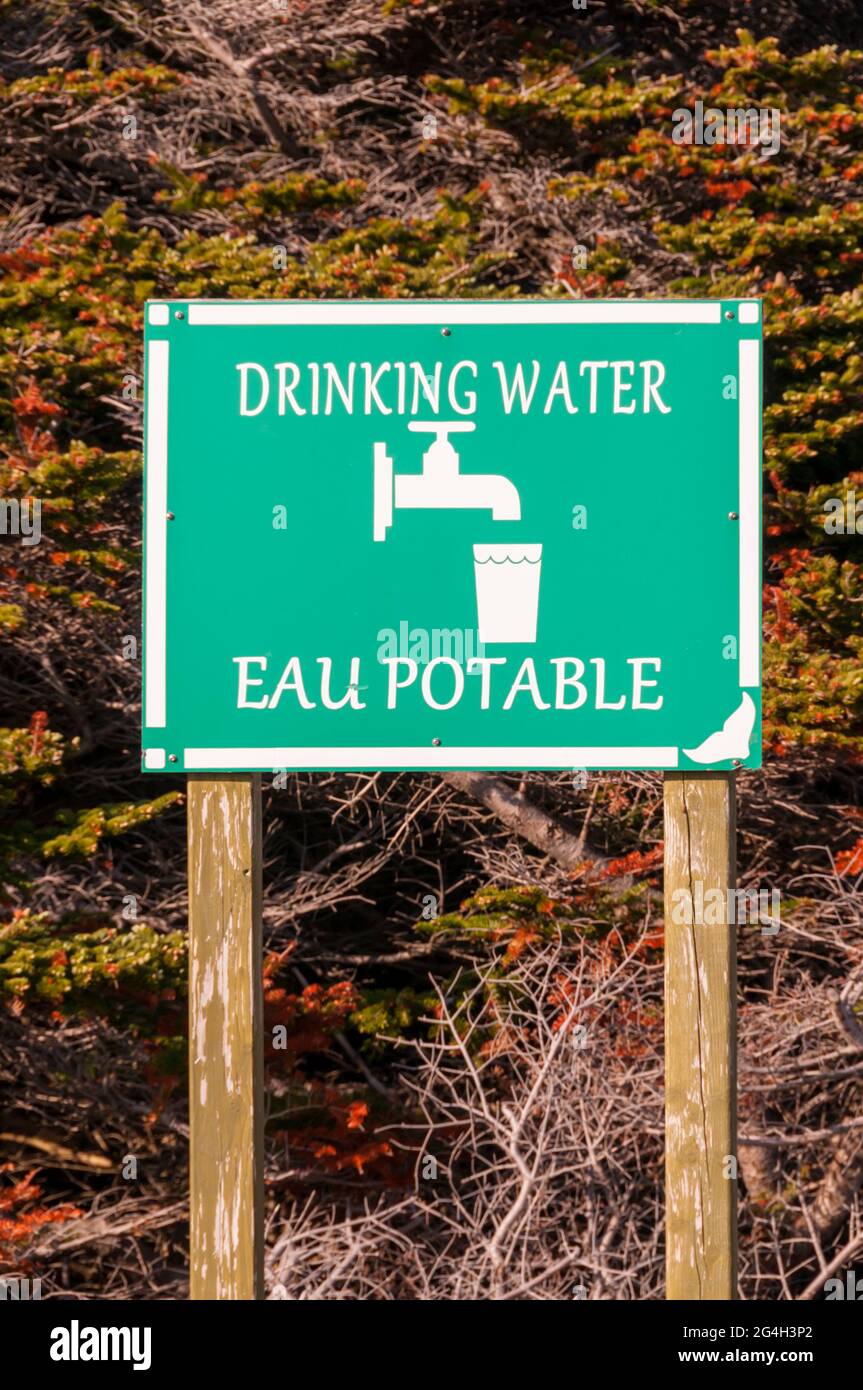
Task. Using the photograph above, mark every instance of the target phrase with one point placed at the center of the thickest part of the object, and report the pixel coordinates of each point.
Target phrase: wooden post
(700, 1038)
(226, 1118)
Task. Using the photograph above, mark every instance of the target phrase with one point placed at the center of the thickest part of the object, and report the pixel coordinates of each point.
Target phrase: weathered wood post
(226, 1104)
(700, 1038)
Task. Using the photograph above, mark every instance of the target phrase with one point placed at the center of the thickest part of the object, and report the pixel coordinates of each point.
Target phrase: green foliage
(555, 103)
(755, 70)
(391, 1013)
(523, 916)
(814, 652)
(88, 969)
(89, 84)
(256, 202)
(826, 238)
(83, 831)
(29, 757)
(11, 617)
(33, 758)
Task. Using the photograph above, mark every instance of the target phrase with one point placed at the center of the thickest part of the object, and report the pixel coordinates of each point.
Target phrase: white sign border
(214, 313)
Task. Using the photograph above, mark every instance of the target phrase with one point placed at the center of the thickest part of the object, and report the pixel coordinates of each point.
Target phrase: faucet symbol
(440, 484)
(506, 576)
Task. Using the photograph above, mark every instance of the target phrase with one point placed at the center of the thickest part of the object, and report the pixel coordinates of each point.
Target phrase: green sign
(436, 535)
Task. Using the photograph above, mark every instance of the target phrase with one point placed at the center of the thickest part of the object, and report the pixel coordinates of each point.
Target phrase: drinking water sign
(437, 535)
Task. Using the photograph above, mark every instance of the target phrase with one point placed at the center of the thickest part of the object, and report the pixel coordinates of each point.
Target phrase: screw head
(178, 314)
(170, 516)
(729, 313)
(172, 757)
(446, 332)
(733, 516)
(735, 762)
(435, 743)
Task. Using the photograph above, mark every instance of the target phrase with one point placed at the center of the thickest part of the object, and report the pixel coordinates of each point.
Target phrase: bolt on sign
(433, 535)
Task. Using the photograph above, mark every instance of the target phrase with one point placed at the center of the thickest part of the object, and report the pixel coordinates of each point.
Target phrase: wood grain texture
(225, 1037)
(700, 1042)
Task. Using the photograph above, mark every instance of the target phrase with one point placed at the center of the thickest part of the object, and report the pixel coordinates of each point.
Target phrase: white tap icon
(440, 484)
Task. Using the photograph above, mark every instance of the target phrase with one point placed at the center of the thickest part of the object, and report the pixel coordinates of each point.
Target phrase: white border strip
(266, 759)
(157, 528)
(323, 312)
(750, 505)
(430, 312)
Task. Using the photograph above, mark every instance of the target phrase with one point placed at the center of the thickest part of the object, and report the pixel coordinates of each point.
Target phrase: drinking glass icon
(507, 591)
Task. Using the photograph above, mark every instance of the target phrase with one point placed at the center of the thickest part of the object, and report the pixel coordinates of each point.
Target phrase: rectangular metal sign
(436, 535)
